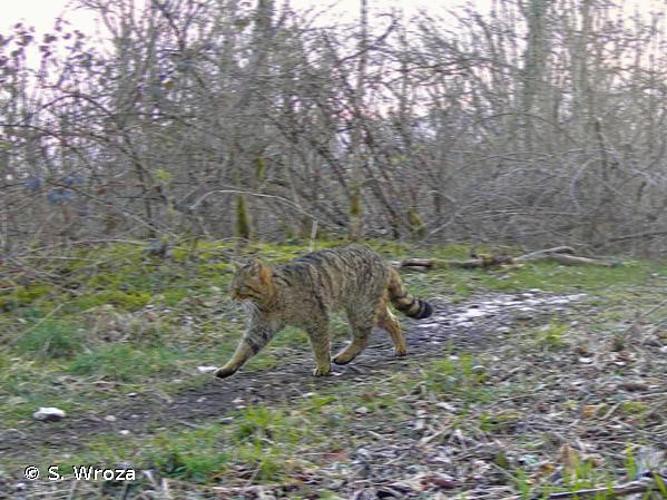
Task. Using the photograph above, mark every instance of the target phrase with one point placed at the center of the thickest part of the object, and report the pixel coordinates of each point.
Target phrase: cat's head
(251, 281)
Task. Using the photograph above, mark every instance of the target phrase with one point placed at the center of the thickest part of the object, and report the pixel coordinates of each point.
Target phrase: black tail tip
(424, 311)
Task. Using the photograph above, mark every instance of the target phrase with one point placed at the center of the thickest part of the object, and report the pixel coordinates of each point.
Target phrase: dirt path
(471, 326)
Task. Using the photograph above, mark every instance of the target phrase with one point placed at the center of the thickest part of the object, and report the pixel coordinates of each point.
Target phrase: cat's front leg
(243, 353)
(256, 337)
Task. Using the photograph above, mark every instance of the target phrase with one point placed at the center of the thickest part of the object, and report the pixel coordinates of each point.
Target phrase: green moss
(417, 226)
(355, 202)
(260, 168)
(243, 224)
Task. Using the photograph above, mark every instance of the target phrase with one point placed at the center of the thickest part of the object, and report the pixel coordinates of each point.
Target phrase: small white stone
(206, 369)
(110, 418)
(49, 414)
(124, 432)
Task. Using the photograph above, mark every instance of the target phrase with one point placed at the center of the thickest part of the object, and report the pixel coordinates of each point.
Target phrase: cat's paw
(342, 359)
(322, 371)
(224, 372)
(400, 353)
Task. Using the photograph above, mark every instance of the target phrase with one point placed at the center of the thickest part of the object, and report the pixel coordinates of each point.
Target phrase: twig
(623, 489)
(643, 316)
(313, 234)
(72, 490)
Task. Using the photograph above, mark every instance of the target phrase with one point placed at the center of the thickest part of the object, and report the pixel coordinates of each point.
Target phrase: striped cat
(304, 293)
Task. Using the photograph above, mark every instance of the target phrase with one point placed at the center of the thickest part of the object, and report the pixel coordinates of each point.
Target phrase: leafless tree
(536, 123)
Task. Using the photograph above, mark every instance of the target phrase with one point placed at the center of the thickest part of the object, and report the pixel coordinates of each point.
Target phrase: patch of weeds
(550, 337)
(269, 439)
(123, 362)
(633, 408)
(460, 376)
(499, 422)
(266, 439)
(522, 483)
(317, 402)
(51, 339)
(30, 293)
(631, 467)
(17, 376)
(660, 483)
(584, 476)
(268, 463)
(191, 455)
(260, 423)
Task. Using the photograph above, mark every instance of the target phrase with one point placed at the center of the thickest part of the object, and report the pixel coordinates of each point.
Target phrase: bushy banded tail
(403, 301)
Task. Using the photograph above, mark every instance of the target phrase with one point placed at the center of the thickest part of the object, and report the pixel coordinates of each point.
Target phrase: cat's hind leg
(387, 321)
(361, 323)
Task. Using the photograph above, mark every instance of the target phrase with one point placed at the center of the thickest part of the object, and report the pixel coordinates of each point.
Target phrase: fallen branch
(574, 260)
(562, 255)
(474, 263)
(547, 251)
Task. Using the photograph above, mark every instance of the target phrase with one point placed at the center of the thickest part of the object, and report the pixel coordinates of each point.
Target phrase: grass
(166, 317)
(51, 339)
(124, 363)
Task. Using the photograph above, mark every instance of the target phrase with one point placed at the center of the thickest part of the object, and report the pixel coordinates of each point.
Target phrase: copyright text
(80, 473)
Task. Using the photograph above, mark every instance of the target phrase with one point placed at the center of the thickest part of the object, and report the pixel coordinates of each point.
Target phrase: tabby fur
(306, 291)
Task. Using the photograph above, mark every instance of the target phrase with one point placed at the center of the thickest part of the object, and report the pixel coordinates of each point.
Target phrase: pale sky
(42, 13)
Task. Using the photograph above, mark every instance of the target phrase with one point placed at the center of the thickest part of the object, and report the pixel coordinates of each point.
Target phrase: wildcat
(305, 291)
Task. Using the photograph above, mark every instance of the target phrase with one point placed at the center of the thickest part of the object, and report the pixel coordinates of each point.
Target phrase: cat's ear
(263, 271)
